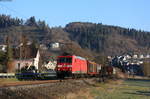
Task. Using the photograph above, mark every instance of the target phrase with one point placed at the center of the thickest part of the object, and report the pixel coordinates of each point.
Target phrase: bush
(146, 68)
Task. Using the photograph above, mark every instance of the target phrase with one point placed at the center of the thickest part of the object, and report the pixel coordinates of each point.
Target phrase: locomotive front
(64, 66)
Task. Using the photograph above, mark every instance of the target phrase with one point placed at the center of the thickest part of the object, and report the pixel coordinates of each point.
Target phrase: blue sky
(124, 13)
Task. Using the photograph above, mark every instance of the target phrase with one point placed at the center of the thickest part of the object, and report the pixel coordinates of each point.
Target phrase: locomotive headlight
(59, 65)
(69, 65)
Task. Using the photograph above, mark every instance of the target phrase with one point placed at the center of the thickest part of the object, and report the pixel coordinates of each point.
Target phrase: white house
(128, 56)
(3, 48)
(135, 56)
(34, 61)
(22, 63)
(55, 45)
(50, 65)
(141, 56)
(147, 56)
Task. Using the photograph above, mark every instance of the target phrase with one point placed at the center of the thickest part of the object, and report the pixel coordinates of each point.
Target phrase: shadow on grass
(134, 79)
(138, 82)
(145, 93)
(89, 84)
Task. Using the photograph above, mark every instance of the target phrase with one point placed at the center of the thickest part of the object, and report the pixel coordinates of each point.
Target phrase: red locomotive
(76, 66)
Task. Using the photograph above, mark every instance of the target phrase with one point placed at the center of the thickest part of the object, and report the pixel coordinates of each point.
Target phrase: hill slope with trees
(110, 40)
(91, 38)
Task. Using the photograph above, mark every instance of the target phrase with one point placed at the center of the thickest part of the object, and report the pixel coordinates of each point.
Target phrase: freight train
(70, 66)
(76, 66)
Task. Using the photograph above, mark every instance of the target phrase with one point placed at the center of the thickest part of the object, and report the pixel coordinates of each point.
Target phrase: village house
(30, 61)
(141, 56)
(3, 48)
(135, 56)
(54, 45)
(43, 47)
(50, 65)
(147, 56)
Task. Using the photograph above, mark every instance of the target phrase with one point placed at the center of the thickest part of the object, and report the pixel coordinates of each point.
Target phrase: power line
(12, 10)
(6, 0)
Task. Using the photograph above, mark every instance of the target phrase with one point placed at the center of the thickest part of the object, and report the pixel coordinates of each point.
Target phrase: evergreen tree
(9, 52)
(31, 21)
(2, 61)
(9, 56)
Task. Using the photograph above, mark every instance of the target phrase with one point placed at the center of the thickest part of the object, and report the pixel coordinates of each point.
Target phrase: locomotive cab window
(65, 60)
(68, 60)
(61, 60)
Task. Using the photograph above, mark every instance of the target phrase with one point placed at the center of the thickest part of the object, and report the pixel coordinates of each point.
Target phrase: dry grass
(81, 94)
(118, 89)
(8, 80)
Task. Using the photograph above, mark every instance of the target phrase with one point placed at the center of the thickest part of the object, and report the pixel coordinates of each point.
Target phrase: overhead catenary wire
(24, 17)
(14, 11)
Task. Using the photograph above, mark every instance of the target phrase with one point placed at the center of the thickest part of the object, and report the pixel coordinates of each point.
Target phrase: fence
(7, 75)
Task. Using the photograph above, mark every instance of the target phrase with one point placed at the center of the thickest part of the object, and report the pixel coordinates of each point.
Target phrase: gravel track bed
(45, 91)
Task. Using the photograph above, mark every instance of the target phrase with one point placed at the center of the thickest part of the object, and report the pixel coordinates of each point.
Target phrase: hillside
(110, 40)
(84, 39)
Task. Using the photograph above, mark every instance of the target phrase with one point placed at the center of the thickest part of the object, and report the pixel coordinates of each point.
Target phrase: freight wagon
(72, 66)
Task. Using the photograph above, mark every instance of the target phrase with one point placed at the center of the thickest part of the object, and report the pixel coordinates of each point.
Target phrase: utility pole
(20, 52)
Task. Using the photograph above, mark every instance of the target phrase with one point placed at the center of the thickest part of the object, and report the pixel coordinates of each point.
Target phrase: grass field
(128, 89)
(8, 80)
(117, 89)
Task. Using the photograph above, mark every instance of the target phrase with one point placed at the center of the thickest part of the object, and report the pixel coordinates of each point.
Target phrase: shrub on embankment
(146, 68)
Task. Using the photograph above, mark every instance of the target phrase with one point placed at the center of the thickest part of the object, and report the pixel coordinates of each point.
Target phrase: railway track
(24, 83)
(45, 89)
(35, 82)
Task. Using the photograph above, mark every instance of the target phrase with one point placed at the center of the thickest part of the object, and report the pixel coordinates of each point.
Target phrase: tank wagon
(75, 66)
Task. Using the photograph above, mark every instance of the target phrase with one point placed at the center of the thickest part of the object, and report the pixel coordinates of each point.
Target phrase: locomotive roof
(80, 57)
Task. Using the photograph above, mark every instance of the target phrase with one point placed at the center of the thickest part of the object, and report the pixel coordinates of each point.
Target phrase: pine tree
(9, 56)
(31, 21)
(9, 52)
